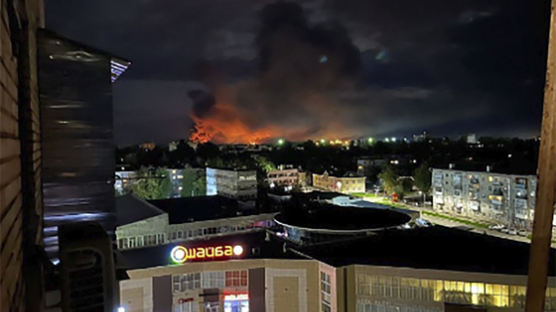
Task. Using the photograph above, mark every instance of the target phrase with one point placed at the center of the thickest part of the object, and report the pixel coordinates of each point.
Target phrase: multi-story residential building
(491, 197)
(237, 184)
(160, 222)
(125, 179)
(286, 176)
(365, 164)
(349, 183)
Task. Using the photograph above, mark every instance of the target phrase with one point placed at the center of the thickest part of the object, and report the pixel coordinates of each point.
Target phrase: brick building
(20, 153)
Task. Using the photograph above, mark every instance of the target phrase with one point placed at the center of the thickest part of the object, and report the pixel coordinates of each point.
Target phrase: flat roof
(436, 247)
(130, 208)
(118, 65)
(201, 208)
(332, 217)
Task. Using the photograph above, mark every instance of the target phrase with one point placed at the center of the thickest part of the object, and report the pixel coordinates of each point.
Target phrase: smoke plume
(295, 94)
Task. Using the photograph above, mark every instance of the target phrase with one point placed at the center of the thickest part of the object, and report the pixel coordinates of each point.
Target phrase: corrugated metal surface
(76, 121)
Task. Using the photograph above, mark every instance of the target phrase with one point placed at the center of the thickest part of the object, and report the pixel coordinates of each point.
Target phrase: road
(463, 226)
(454, 224)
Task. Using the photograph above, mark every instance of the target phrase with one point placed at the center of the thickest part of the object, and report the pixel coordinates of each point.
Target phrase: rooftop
(434, 247)
(118, 65)
(255, 245)
(130, 208)
(343, 218)
(200, 208)
(423, 248)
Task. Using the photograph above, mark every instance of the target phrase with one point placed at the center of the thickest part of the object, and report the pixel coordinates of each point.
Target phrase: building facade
(237, 184)
(78, 145)
(286, 176)
(380, 288)
(20, 154)
(232, 286)
(285, 285)
(345, 184)
(487, 196)
(161, 228)
(124, 180)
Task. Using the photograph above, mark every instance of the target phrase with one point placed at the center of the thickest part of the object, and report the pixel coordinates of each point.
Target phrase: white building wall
(487, 196)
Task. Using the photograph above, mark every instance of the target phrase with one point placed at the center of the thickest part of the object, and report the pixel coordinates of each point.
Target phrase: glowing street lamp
(370, 140)
(393, 139)
(281, 141)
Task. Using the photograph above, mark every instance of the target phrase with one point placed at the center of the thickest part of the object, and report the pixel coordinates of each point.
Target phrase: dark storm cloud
(485, 56)
(448, 66)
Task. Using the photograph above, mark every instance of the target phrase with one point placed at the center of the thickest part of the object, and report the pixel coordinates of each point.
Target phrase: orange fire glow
(224, 124)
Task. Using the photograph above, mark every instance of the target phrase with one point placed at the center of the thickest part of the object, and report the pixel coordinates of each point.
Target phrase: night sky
(255, 70)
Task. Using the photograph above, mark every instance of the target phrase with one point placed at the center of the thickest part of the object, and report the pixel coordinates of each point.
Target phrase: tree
(153, 183)
(403, 186)
(264, 164)
(422, 176)
(389, 179)
(193, 183)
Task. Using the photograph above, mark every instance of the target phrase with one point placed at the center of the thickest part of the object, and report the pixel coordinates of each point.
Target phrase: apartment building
(349, 183)
(237, 184)
(286, 176)
(124, 180)
(487, 196)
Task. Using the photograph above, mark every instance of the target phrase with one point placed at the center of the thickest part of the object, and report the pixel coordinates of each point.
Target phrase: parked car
(522, 233)
(423, 222)
(505, 230)
(496, 227)
(512, 231)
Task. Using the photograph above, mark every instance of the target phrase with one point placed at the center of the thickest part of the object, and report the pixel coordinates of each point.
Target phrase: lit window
(325, 291)
(236, 278)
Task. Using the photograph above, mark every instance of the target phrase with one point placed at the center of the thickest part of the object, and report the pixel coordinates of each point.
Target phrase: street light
(280, 141)
(370, 140)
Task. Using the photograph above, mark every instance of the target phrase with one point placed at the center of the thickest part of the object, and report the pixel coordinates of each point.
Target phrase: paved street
(463, 226)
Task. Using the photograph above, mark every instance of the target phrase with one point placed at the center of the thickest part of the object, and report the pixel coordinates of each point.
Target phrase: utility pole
(544, 207)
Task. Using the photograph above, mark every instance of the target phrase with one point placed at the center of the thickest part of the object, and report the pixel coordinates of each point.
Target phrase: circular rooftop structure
(324, 221)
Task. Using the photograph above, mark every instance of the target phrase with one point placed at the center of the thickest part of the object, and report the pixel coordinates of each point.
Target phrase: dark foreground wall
(78, 152)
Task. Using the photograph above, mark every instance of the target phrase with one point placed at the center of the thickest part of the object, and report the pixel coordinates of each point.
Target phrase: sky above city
(236, 71)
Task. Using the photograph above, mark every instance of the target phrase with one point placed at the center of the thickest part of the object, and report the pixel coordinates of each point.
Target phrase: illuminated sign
(181, 254)
(236, 297)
